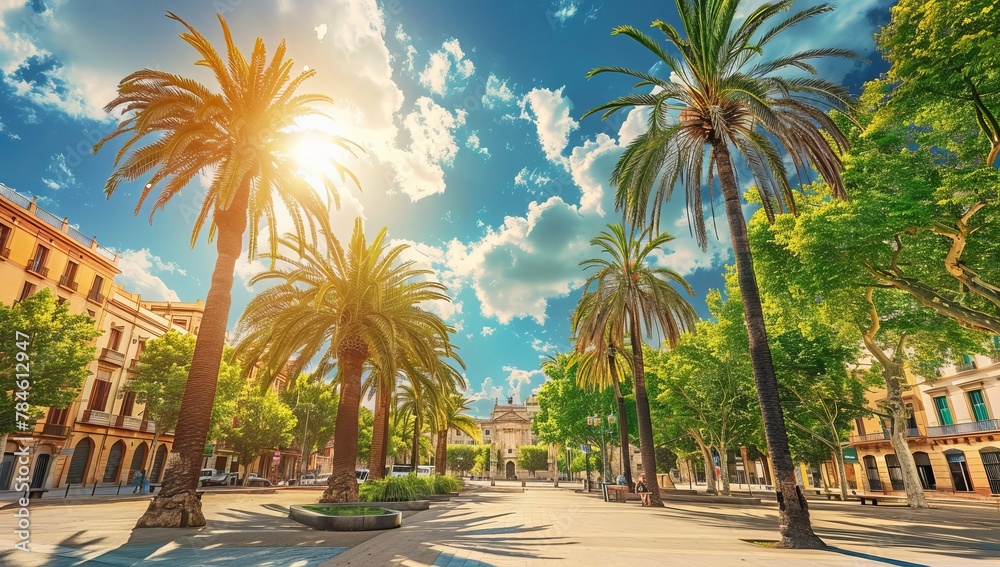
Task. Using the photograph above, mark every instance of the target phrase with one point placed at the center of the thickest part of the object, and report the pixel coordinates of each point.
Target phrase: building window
(69, 275)
(5, 233)
(978, 403)
(943, 411)
(871, 469)
(859, 424)
(27, 291)
(895, 472)
(95, 289)
(37, 263)
(991, 462)
(487, 432)
(115, 338)
(509, 451)
(57, 416)
(182, 323)
(924, 470)
(128, 404)
(966, 362)
(99, 395)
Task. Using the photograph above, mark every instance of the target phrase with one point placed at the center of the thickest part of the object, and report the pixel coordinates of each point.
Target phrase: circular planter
(439, 497)
(409, 506)
(317, 521)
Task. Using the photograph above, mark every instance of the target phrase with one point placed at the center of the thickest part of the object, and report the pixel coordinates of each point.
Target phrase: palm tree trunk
(415, 451)
(622, 426)
(795, 526)
(441, 454)
(646, 450)
(343, 483)
(177, 505)
(380, 431)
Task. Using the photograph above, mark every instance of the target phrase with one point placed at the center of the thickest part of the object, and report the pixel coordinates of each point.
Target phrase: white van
(400, 470)
(361, 474)
(425, 470)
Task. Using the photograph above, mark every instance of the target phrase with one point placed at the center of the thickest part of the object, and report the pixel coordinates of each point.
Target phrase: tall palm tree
(384, 386)
(599, 366)
(247, 135)
(348, 308)
(449, 414)
(630, 297)
(723, 94)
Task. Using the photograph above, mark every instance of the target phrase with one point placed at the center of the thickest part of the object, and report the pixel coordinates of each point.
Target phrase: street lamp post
(603, 423)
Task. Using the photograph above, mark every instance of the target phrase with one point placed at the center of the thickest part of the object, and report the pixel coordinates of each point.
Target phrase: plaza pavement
(507, 527)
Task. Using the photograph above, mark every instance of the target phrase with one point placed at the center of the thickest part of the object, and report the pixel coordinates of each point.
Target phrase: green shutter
(978, 404)
(944, 413)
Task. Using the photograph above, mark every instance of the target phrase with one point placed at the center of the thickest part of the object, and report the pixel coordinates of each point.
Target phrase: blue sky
(470, 114)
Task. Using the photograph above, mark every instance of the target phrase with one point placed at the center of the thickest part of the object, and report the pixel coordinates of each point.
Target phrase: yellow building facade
(102, 438)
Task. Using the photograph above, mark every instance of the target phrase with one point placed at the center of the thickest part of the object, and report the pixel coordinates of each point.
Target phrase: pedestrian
(642, 490)
(137, 481)
(145, 484)
(621, 480)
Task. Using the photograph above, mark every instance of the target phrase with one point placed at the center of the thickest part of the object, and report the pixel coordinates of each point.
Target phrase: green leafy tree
(262, 422)
(247, 133)
(348, 308)
(366, 424)
(625, 296)
(161, 377)
(449, 414)
(532, 458)
(57, 348)
(724, 93)
(462, 458)
(314, 403)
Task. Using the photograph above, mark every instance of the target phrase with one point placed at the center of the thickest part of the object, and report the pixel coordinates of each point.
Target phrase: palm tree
(349, 309)
(628, 296)
(599, 366)
(247, 135)
(722, 93)
(384, 386)
(450, 413)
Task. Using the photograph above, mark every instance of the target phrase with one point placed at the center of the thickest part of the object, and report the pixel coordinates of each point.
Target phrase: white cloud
(419, 169)
(60, 176)
(518, 378)
(139, 268)
(487, 391)
(402, 36)
(544, 347)
(550, 112)
(565, 9)
(525, 178)
(497, 93)
(320, 31)
(487, 331)
(473, 144)
(447, 69)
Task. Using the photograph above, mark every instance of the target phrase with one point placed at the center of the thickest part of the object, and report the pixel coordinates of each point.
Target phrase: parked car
(362, 475)
(222, 479)
(256, 481)
(208, 473)
(308, 479)
(323, 479)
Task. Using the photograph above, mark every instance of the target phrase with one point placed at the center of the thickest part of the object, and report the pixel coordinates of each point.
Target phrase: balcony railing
(34, 268)
(95, 417)
(870, 437)
(95, 296)
(70, 285)
(147, 426)
(913, 432)
(963, 366)
(55, 430)
(964, 428)
(4, 252)
(127, 422)
(112, 356)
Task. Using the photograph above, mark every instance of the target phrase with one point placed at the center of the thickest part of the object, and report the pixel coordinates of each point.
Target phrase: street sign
(585, 449)
(851, 455)
(277, 456)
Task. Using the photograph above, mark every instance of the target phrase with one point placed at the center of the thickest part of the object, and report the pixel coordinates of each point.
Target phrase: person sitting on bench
(642, 490)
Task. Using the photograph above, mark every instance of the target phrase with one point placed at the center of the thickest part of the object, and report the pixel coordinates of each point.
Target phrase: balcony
(991, 425)
(34, 268)
(55, 430)
(95, 296)
(147, 426)
(112, 357)
(964, 366)
(65, 283)
(95, 417)
(913, 432)
(127, 422)
(5, 253)
(870, 437)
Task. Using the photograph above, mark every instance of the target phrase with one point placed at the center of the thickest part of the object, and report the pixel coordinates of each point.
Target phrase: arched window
(871, 469)
(138, 460)
(924, 470)
(991, 462)
(959, 470)
(81, 459)
(895, 471)
(114, 462)
(161, 456)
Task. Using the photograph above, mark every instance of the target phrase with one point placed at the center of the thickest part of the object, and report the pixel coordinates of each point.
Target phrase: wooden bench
(875, 498)
(829, 495)
(618, 492)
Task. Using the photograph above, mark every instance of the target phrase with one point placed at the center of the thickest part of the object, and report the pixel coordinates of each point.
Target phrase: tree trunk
(622, 428)
(415, 448)
(646, 449)
(176, 505)
(838, 457)
(380, 430)
(441, 453)
(898, 419)
(710, 481)
(343, 483)
(724, 468)
(796, 529)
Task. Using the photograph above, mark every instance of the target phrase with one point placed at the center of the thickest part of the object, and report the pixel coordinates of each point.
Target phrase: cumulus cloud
(487, 331)
(550, 112)
(139, 274)
(565, 9)
(486, 392)
(518, 378)
(420, 167)
(475, 145)
(60, 176)
(497, 93)
(447, 69)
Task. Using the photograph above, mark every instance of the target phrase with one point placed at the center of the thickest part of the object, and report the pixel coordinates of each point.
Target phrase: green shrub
(422, 485)
(391, 489)
(445, 484)
(347, 510)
